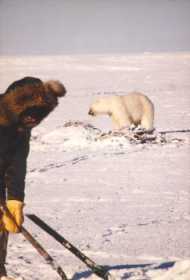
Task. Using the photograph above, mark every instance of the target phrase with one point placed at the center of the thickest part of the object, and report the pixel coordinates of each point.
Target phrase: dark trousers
(3, 251)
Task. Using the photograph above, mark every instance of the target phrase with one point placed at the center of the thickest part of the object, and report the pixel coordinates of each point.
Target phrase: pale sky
(93, 26)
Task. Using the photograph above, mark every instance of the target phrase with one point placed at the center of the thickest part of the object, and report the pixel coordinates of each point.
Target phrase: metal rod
(97, 269)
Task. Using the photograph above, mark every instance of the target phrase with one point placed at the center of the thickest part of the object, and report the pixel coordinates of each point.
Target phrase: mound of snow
(180, 271)
(78, 137)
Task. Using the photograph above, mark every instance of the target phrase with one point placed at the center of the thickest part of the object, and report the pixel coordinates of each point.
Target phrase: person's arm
(16, 171)
(15, 185)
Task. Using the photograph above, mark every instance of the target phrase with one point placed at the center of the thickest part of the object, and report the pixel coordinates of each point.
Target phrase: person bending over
(24, 105)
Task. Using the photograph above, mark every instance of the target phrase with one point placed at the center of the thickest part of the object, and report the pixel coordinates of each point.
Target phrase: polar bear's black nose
(90, 112)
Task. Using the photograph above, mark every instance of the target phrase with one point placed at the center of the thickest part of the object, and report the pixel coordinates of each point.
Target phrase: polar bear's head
(100, 106)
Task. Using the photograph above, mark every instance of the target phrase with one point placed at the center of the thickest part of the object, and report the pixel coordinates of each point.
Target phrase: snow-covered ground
(126, 206)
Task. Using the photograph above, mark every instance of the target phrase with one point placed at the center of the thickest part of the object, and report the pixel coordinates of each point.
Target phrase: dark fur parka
(28, 96)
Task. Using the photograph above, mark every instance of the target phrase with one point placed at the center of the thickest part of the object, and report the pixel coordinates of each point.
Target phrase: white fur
(132, 109)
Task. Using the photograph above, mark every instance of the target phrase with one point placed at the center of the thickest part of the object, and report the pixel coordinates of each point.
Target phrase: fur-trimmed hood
(28, 94)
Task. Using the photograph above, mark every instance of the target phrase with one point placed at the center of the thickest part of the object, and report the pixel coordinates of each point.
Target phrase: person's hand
(15, 207)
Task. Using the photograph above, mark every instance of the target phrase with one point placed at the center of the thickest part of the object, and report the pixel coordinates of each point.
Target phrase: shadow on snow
(143, 267)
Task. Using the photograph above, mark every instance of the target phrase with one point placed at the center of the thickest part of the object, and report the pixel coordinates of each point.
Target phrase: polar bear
(134, 109)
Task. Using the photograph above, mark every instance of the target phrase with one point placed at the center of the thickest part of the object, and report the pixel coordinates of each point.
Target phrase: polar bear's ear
(55, 87)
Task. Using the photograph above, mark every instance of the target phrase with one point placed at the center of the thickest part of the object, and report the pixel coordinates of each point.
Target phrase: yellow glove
(15, 208)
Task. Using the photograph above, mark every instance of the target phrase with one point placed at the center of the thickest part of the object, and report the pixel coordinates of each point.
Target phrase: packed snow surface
(126, 205)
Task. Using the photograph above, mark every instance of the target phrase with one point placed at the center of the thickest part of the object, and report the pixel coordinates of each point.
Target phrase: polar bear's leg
(121, 120)
(115, 123)
(147, 122)
(119, 114)
(148, 115)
